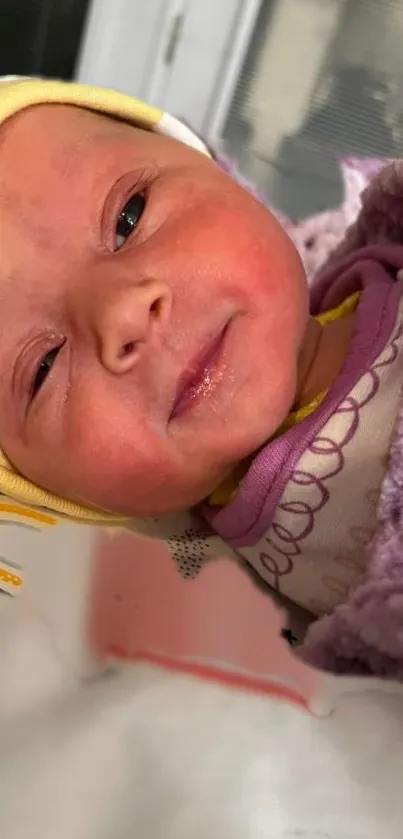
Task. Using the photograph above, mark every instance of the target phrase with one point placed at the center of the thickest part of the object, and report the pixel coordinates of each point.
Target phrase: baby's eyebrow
(80, 155)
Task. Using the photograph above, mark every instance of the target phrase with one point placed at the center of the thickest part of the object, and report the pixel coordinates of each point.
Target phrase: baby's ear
(188, 537)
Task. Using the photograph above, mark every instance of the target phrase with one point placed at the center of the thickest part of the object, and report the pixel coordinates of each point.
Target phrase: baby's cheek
(266, 265)
(121, 464)
(113, 465)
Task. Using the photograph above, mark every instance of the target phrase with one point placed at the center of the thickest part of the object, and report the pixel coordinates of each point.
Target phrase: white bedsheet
(142, 753)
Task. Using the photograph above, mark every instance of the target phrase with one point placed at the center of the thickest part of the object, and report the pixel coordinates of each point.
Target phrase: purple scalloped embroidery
(288, 545)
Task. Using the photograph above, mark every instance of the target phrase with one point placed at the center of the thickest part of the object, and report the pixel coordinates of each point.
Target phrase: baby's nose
(128, 322)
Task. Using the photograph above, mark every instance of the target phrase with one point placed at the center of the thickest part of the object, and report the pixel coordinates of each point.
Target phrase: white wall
(125, 45)
(120, 43)
(203, 59)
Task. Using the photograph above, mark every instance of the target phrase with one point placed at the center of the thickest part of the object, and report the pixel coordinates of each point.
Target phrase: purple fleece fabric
(365, 634)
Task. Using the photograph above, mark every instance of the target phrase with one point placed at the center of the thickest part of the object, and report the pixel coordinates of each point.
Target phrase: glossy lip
(199, 378)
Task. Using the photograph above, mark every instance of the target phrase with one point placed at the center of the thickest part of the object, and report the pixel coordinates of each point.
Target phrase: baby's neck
(323, 353)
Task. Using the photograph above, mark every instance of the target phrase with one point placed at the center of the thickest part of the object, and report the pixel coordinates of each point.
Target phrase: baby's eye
(129, 218)
(44, 370)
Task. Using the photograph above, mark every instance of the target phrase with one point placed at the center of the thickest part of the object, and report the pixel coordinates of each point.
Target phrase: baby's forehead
(57, 121)
(56, 162)
(48, 141)
(52, 140)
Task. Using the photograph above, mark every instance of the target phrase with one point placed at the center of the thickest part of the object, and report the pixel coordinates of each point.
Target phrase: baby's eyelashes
(128, 219)
(126, 223)
(43, 370)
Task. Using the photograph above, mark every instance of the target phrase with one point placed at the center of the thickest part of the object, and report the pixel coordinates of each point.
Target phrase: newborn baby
(162, 352)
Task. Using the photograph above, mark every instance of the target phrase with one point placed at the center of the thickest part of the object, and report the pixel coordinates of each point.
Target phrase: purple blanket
(365, 635)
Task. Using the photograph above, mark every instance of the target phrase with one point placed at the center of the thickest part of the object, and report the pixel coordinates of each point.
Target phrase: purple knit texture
(365, 635)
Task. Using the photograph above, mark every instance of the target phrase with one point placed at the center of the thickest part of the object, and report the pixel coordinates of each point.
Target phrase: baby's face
(152, 314)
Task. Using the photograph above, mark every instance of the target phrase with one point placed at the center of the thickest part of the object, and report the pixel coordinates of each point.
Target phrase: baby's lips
(219, 626)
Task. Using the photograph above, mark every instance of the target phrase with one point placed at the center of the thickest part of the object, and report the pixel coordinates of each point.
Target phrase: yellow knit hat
(17, 94)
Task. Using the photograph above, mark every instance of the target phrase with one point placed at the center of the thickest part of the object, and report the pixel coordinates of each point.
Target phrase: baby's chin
(186, 474)
(182, 489)
(174, 499)
(185, 494)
